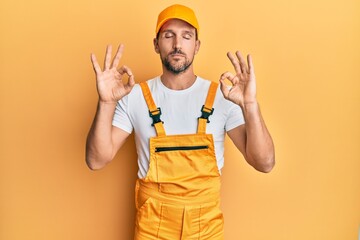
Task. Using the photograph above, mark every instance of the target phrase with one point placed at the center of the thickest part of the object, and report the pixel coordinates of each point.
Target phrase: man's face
(177, 45)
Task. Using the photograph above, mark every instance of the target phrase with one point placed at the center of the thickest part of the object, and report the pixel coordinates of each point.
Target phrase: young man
(180, 121)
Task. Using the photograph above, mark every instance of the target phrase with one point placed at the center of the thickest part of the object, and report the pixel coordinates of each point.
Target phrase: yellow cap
(179, 12)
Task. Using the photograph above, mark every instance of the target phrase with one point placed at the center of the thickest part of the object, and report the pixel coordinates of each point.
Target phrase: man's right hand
(110, 85)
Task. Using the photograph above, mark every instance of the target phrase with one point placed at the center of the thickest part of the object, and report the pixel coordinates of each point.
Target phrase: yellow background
(306, 55)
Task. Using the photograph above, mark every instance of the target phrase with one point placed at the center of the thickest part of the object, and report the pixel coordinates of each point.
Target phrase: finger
(243, 66)
(95, 64)
(250, 63)
(234, 62)
(131, 81)
(125, 69)
(231, 77)
(107, 57)
(118, 56)
(224, 89)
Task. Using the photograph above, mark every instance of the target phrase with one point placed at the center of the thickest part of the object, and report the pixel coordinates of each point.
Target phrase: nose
(177, 42)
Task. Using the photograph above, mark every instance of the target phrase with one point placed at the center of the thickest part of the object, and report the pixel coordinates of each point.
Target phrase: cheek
(164, 47)
(193, 49)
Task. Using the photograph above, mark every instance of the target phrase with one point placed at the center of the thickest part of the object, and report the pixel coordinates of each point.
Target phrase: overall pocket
(180, 148)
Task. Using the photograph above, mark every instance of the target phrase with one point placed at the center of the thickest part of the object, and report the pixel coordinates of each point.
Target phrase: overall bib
(179, 199)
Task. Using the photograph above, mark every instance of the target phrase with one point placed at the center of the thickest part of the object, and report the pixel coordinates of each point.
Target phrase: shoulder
(136, 91)
(205, 84)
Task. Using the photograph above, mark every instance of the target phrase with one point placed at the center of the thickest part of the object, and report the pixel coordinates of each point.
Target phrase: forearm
(259, 145)
(99, 145)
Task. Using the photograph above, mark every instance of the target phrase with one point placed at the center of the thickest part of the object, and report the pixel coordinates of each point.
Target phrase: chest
(179, 114)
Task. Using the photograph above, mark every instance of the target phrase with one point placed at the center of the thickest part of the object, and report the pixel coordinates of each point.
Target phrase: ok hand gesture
(110, 85)
(243, 90)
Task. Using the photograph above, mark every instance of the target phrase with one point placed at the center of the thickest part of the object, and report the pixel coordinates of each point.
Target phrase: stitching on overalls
(160, 220)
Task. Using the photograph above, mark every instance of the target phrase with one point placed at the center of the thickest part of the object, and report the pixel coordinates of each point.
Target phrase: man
(180, 121)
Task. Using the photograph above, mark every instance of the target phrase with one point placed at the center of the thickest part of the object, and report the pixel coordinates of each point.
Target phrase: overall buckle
(206, 114)
(156, 116)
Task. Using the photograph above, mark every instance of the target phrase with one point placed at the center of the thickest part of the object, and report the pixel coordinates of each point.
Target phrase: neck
(180, 81)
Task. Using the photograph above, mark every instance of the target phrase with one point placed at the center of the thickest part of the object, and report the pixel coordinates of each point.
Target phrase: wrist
(249, 107)
(106, 103)
(248, 104)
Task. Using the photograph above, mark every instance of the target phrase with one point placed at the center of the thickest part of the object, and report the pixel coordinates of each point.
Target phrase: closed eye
(187, 36)
(168, 35)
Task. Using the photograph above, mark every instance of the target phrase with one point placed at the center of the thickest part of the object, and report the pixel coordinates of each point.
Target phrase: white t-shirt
(180, 111)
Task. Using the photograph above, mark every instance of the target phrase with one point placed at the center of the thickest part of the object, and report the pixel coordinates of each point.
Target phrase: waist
(172, 196)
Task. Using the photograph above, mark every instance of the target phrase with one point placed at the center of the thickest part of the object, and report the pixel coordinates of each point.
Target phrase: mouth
(177, 55)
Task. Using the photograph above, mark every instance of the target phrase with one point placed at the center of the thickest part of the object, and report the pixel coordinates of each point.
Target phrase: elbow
(262, 161)
(91, 165)
(96, 160)
(267, 165)
(263, 164)
(94, 163)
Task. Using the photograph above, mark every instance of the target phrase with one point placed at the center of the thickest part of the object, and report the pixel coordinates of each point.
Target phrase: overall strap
(154, 112)
(207, 109)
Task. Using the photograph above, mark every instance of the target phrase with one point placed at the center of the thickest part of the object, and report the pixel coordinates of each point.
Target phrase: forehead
(176, 25)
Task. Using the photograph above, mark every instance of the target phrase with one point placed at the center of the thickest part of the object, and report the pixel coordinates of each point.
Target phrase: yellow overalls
(180, 196)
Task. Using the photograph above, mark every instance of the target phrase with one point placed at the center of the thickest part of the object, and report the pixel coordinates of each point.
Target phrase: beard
(178, 67)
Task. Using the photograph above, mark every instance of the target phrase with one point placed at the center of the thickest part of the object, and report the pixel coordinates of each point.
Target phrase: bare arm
(253, 138)
(254, 141)
(104, 140)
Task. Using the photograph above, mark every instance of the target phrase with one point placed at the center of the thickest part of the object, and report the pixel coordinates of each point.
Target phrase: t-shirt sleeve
(235, 117)
(121, 117)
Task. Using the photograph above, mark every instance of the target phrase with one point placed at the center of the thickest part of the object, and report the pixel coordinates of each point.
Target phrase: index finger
(118, 56)
(234, 62)
(95, 64)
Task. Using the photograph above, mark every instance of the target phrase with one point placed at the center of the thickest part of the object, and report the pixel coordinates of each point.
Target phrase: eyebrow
(189, 32)
(183, 32)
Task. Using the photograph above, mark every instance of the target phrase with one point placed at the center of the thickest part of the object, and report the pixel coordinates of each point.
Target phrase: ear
(197, 46)
(156, 45)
